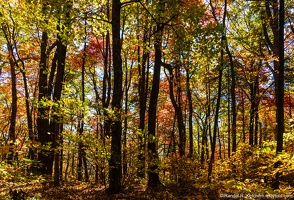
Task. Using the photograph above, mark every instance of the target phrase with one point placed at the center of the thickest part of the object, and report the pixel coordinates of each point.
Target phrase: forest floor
(39, 189)
(250, 180)
(35, 190)
(86, 191)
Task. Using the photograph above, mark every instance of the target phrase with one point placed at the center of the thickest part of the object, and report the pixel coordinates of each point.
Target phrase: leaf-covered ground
(78, 190)
(229, 189)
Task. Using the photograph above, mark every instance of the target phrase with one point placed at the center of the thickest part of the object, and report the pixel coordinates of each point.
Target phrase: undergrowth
(248, 174)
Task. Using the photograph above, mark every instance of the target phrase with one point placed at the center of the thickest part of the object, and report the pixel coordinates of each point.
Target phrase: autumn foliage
(156, 99)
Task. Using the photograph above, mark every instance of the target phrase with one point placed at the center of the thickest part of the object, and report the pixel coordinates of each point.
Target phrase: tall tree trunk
(243, 118)
(106, 88)
(203, 142)
(190, 107)
(12, 136)
(233, 96)
(28, 110)
(280, 91)
(256, 124)
(127, 84)
(215, 128)
(56, 124)
(276, 17)
(15, 58)
(81, 151)
(143, 85)
(45, 157)
(281, 81)
(252, 114)
(57, 119)
(61, 154)
(229, 115)
(177, 107)
(220, 143)
(153, 155)
(115, 165)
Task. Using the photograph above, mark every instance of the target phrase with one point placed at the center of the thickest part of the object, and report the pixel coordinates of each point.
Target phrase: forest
(146, 99)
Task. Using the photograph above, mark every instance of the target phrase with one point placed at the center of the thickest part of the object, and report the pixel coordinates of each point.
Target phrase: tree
(44, 156)
(115, 171)
(12, 135)
(176, 101)
(219, 92)
(10, 29)
(153, 176)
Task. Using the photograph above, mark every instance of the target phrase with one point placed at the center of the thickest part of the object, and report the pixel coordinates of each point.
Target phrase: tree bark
(115, 165)
(233, 97)
(13, 110)
(215, 128)
(143, 85)
(56, 124)
(190, 107)
(177, 107)
(45, 157)
(153, 154)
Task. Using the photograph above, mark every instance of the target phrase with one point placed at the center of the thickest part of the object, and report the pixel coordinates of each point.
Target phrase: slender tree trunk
(202, 154)
(143, 85)
(106, 88)
(229, 117)
(256, 124)
(172, 143)
(82, 154)
(61, 154)
(215, 128)
(12, 137)
(80, 157)
(233, 97)
(260, 135)
(28, 110)
(153, 155)
(106, 85)
(220, 144)
(115, 165)
(177, 107)
(252, 113)
(127, 85)
(15, 58)
(243, 118)
(190, 105)
(198, 141)
(281, 81)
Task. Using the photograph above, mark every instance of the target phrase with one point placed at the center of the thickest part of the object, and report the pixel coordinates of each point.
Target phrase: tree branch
(128, 2)
(51, 48)
(148, 11)
(167, 66)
